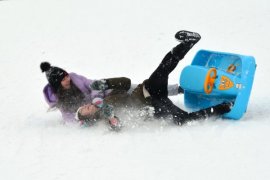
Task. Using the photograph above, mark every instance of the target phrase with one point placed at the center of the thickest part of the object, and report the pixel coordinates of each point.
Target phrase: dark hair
(70, 99)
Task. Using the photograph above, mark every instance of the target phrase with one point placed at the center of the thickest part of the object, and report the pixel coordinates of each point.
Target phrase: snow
(105, 38)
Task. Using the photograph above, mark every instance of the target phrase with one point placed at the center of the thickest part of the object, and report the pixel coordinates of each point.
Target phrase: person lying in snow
(153, 91)
(69, 91)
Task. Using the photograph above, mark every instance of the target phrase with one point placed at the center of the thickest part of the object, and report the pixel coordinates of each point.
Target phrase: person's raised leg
(158, 81)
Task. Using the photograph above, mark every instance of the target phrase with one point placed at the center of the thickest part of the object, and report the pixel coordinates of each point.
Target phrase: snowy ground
(105, 38)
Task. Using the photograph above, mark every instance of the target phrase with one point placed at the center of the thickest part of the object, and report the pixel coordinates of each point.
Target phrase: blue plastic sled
(216, 77)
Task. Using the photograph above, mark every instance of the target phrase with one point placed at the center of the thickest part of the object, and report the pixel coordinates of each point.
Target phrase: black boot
(222, 108)
(188, 40)
(218, 109)
(188, 37)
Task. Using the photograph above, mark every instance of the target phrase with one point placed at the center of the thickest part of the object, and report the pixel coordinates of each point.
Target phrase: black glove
(100, 85)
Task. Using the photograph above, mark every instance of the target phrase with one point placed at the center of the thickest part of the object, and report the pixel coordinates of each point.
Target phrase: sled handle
(210, 80)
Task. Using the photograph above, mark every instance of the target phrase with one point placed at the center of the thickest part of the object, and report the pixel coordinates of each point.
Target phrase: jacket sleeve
(80, 81)
(50, 96)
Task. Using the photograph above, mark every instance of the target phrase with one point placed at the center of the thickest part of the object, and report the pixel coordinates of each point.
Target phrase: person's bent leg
(217, 110)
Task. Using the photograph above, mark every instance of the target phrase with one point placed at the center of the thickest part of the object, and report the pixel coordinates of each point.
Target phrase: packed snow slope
(103, 38)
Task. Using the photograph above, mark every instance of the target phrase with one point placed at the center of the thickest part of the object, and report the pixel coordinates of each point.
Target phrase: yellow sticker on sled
(225, 83)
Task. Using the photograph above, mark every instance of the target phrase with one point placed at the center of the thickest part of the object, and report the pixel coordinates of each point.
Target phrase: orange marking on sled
(225, 83)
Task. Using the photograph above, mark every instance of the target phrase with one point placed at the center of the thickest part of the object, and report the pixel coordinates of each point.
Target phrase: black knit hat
(54, 74)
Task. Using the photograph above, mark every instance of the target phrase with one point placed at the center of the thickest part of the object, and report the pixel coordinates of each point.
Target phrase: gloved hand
(107, 111)
(115, 123)
(100, 85)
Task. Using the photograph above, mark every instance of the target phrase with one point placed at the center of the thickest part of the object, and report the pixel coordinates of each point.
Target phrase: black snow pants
(157, 87)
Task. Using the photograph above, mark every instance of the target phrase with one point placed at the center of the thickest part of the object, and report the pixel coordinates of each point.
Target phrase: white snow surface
(103, 38)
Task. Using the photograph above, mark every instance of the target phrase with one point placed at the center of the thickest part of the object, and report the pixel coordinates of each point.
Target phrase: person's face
(88, 109)
(66, 82)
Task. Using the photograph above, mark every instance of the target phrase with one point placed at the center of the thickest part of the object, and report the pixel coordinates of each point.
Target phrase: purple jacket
(83, 84)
